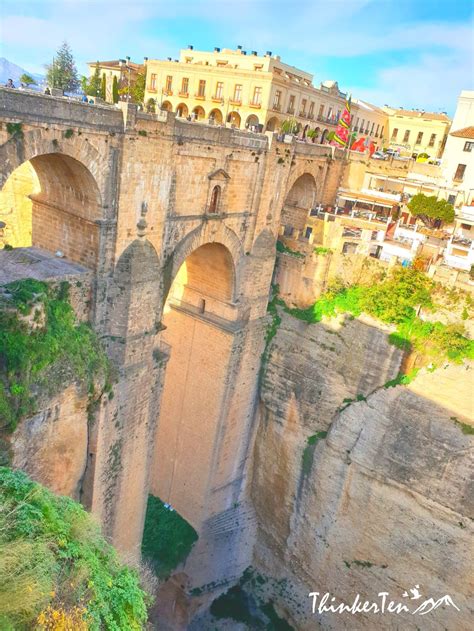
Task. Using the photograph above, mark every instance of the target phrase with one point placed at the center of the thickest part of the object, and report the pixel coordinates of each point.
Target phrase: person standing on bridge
(9, 84)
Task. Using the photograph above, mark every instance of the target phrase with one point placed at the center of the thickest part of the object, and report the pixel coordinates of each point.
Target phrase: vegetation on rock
(56, 569)
(167, 537)
(42, 347)
(281, 247)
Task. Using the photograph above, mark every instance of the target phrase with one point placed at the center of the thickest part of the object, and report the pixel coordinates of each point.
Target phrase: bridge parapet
(33, 108)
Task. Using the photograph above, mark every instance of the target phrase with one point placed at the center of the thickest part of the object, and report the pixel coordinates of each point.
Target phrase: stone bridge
(176, 223)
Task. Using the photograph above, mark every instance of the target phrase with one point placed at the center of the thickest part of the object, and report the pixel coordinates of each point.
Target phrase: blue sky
(410, 53)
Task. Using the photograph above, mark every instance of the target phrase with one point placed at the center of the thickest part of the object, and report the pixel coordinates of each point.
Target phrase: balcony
(276, 107)
(235, 101)
(290, 110)
(200, 97)
(168, 92)
(302, 114)
(217, 99)
(184, 95)
(254, 105)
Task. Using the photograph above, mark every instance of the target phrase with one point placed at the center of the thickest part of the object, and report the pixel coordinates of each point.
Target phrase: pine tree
(103, 87)
(115, 94)
(92, 86)
(62, 73)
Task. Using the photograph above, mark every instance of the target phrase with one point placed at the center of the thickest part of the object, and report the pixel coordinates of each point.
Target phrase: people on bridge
(47, 91)
(9, 84)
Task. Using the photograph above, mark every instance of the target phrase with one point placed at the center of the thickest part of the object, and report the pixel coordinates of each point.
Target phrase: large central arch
(198, 336)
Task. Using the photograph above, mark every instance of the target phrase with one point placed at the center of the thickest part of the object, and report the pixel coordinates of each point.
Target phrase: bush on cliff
(56, 569)
(42, 347)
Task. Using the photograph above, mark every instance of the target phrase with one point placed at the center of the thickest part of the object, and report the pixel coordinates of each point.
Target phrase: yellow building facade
(413, 131)
(245, 90)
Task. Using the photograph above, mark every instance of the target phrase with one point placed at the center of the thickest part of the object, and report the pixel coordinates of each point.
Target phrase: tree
(289, 126)
(115, 94)
(92, 86)
(103, 87)
(27, 79)
(431, 210)
(62, 73)
(138, 89)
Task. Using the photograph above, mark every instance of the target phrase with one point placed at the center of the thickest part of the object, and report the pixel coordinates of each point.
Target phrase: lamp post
(129, 70)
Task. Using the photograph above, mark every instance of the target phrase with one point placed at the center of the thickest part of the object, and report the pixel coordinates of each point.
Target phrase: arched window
(215, 198)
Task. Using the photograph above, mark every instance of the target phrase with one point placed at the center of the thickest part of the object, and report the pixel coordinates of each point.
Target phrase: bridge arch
(52, 200)
(299, 200)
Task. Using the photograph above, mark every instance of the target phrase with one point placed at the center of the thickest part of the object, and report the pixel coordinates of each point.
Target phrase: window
(451, 198)
(372, 130)
(257, 96)
(381, 132)
(311, 109)
(291, 105)
(362, 125)
(432, 140)
(219, 90)
(276, 100)
(257, 66)
(468, 146)
(339, 112)
(153, 82)
(303, 107)
(238, 93)
(202, 88)
(459, 175)
(395, 133)
(215, 197)
(169, 84)
(321, 111)
(406, 136)
(377, 130)
(419, 138)
(185, 85)
(330, 112)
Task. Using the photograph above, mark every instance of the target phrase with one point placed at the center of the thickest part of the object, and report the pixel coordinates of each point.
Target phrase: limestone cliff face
(51, 446)
(383, 503)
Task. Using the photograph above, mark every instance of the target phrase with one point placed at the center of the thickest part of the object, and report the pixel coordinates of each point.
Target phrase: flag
(341, 135)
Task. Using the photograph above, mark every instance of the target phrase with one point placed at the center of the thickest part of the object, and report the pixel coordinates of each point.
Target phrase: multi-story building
(370, 121)
(415, 132)
(125, 70)
(243, 89)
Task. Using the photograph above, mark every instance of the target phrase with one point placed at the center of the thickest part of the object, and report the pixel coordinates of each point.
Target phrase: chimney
(239, 47)
(268, 53)
(244, 52)
(254, 52)
(168, 59)
(190, 47)
(217, 49)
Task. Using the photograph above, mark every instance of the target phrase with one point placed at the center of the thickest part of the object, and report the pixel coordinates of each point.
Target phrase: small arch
(182, 110)
(252, 121)
(324, 136)
(216, 116)
(234, 119)
(199, 113)
(166, 106)
(273, 124)
(215, 199)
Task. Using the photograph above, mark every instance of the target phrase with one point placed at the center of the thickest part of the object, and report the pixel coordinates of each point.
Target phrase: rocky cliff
(380, 503)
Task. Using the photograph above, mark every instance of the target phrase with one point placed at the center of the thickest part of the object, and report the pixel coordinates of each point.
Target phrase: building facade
(125, 70)
(245, 90)
(415, 132)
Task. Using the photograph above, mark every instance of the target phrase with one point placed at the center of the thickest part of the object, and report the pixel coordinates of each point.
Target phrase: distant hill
(9, 70)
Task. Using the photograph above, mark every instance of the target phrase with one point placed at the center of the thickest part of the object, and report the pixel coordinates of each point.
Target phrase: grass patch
(464, 427)
(322, 251)
(46, 356)
(167, 537)
(402, 379)
(15, 130)
(56, 566)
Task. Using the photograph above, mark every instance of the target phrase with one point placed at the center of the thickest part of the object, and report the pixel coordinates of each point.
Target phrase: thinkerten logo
(415, 603)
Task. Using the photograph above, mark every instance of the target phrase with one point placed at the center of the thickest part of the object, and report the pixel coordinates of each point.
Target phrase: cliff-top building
(248, 90)
(414, 131)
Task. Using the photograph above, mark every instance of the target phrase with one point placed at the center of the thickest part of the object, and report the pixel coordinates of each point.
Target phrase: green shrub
(281, 247)
(167, 537)
(46, 357)
(53, 556)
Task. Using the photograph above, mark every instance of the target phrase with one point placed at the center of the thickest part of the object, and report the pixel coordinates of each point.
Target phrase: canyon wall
(379, 504)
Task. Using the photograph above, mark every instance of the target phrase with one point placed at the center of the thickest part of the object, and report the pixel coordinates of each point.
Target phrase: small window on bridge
(215, 199)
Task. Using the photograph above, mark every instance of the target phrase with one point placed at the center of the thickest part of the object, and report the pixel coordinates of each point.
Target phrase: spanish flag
(341, 135)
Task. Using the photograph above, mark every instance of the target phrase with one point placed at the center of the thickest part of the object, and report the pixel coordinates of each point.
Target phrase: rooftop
(465, 132)
(420, 114)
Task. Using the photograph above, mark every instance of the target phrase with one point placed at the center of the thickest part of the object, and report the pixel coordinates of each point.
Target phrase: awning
(367, 199)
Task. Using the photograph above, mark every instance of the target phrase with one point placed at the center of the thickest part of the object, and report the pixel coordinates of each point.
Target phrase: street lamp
(129, 70)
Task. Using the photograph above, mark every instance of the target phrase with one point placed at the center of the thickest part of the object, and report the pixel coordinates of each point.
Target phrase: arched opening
(273, 124)
(52, 202)
(215, 199)
(199, 347)
(298, 203)
(251, 122)
(182, 110)
(166, 106)
(317, 134)
(324, 136)
(216, 117)
(234, 119)
(199, 113)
